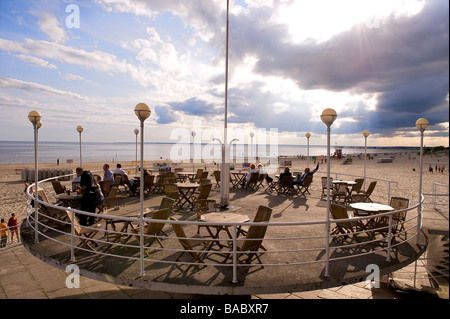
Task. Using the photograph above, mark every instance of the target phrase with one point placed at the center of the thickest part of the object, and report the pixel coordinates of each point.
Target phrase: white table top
(344, 182)
(371, 207)
(224, 218)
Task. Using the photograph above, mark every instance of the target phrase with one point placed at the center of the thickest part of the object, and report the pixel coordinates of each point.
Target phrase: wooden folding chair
(262, 215)
(302, 189)
(84, 233)
(171, 191)
(154, 228)
(261, 179)
(217, 177)
(58, 187)
(253, 181)
(347, 228)
(252, 244)
(324, 186)
(149, 186)
(286, 186)
(50, 217)
(364, 196)
(203, 193)
(189, 244)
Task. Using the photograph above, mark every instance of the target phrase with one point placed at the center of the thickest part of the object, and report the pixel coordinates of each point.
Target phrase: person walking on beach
(3, 233)
(12, 224)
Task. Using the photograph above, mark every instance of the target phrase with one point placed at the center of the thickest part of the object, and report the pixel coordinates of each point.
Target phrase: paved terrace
(254, 280)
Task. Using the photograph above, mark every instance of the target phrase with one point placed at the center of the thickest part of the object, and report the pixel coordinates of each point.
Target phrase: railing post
(419, 219)
(234, 281)
(389, 237)
(72, 234)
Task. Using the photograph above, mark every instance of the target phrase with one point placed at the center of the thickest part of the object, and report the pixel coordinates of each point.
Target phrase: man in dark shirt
(87, 185)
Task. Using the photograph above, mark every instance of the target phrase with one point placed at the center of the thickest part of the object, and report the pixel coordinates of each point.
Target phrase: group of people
(298, 181)
(300, 177)
(12, 226)
(91, 191)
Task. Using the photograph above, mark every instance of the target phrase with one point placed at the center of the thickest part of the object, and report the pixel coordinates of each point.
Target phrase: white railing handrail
(234, 225)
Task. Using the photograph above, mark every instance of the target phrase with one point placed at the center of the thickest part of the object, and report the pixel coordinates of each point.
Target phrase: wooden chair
(118, 181)
(217, 177)
(154, 228)
(112, 200)
(149, 186)
(364, 196)
(105, 187)
(85, 234)
(285, 186)
(253, 181)
(203, 193)
(198, 175)
(262, 215)
(324, 186)
(189, 244)
(347, 228)
(302, 189)
(339, 192)
(158, 186)
(58, 187)
(252, 243)
(171, 191)
(356, 188)
(50, 217)
(398, 220)
(261, 179)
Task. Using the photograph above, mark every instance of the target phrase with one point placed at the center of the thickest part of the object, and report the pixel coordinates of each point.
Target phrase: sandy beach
(404, 170)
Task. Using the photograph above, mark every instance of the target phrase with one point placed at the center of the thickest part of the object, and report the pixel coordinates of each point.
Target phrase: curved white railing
(412, 230)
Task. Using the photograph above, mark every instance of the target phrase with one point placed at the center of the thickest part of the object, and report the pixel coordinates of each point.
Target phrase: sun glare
(320, 20)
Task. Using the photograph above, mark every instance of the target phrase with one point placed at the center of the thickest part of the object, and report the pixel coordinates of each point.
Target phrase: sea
(22, 152)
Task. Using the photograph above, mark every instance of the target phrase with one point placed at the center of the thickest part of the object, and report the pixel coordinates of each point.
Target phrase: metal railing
(291, 255)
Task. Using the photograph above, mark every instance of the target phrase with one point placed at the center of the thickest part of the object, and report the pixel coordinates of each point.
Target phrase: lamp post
(251, 145)
(79, 130)
(225, 172)
(193, 137)
(366, 134)
(328, 117)
(35, 118)
(136, 132)
(142, 111)
(422, 125)
(308, 135)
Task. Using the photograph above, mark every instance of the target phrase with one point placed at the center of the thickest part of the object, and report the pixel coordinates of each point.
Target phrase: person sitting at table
(301, 178)
(247, 178)
(108, 175)
(126, 180)
(286, 172)
(136, 183)
(77, 179)
(92, 196)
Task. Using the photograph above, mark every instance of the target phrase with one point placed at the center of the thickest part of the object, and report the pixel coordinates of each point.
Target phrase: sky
(381, 65)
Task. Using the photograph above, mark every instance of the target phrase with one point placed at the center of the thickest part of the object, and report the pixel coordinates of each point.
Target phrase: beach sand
(404, 170)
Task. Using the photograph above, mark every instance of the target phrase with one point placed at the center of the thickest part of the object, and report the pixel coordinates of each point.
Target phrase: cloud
(36, 61)
(50, 26)
(15, 84)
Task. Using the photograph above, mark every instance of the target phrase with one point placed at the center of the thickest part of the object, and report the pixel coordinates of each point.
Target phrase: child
(12, 224)
(3, 233)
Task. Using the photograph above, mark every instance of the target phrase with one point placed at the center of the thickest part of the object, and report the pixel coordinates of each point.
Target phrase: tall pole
(35, 119)
(366, 135)
(328, 116)
(225, 165)
(80, 129)
(308, 135)
(136, 132)
(193, 150)
(142, 111)
(421, 124)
